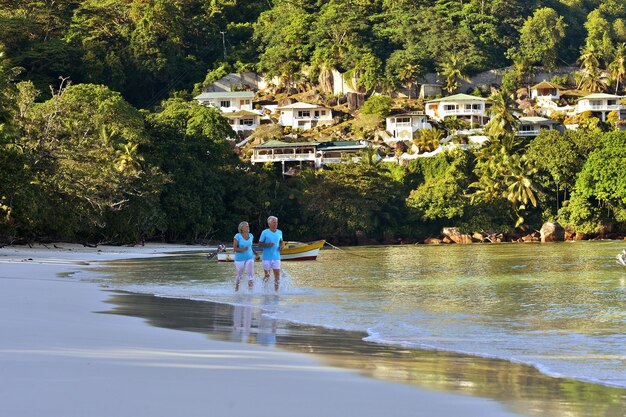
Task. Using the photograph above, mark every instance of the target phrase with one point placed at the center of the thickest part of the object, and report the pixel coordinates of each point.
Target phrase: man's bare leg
(276, 279)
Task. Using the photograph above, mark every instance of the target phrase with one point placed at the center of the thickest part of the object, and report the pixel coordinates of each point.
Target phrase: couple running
(271, 242)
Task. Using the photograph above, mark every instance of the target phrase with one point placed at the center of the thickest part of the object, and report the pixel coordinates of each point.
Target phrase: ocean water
(560, 308)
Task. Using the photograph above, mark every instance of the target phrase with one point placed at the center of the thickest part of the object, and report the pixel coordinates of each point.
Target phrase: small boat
(621, 258)
(292, 251)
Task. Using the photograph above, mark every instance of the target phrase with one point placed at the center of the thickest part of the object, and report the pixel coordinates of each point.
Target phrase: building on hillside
(336, 151)
(243, 122)
(462, 106)
(227, 101)
(304, 115)
(236, 81)
(600, 104)
(403, 126)
(429, 90)
(532, 126)
(306, 154)
(545, 91)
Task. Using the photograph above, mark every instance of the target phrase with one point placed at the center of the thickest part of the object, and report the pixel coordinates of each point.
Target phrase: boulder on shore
(552, 232)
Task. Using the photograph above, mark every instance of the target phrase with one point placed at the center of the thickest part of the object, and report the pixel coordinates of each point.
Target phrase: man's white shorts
(273, 264)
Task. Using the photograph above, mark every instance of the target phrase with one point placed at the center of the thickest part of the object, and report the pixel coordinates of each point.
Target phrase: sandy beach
(59, 356)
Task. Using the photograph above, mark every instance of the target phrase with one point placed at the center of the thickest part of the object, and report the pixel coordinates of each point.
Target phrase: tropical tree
(617, 68)
(539, 38)
(427, 140)
(599, 195)
(503, 123)
(505, 176)
(352, 198)
(451, 68)
(82, 146)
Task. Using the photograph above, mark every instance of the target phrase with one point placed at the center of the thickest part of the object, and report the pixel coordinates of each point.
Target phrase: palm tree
(452, 69)
(592, 78)
(589, 59)
(502, 122)
(593, 81)
(617, 68)
(409, 74)
(427, 140)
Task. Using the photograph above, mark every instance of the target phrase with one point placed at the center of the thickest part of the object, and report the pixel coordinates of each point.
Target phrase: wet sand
(70, 348)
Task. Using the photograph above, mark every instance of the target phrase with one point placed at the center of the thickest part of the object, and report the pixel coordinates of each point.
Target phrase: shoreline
(128, 364)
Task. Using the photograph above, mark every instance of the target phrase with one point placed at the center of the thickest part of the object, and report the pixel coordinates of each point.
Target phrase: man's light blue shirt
(271, 253)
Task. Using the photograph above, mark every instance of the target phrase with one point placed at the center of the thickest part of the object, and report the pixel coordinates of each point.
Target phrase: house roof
(411, 113)
(225, 94)
(533, 120)
(600, 96)
(280, 144)
(341, 145)
(240, 113)
(546, 84)
(301, 105)
(457, 97)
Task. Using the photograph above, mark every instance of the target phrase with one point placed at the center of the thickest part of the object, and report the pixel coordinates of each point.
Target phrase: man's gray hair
(271, 218)
(241, 225)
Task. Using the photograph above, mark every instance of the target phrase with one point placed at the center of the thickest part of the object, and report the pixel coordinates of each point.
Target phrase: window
(612, 102)
(225, 103)
(449, 107)
(323, 112)
(317, 113)
(304, 113)
(472, 107)
(244, 102)
(403, 120)
(231, 121)
(246, 122)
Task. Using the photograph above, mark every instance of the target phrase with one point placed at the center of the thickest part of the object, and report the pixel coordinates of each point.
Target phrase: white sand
(58, 358)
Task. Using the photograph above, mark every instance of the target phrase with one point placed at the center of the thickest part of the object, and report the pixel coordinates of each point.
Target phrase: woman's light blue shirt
(244, 243)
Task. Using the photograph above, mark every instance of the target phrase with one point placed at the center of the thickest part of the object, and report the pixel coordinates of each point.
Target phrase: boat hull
(293, 251)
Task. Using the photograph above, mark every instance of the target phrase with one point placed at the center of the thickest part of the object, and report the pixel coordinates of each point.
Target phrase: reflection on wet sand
(522, 388)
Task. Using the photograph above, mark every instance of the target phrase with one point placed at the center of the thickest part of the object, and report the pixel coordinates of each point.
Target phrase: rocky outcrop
(552, 232)
(455, 236)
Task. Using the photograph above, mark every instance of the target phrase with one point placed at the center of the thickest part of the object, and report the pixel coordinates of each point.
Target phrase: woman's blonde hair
(241, 225)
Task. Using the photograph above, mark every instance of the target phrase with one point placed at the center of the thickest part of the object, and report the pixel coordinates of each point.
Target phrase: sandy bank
(59, 357)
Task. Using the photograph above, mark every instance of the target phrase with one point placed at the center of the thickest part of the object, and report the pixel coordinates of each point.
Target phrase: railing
(462, 111)
(284, 157)
(527, 132)
(599, 107)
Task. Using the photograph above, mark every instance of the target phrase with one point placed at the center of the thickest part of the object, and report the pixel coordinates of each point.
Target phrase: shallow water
(558, 307)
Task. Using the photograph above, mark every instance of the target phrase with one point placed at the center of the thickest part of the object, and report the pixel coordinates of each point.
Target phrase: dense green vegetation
(100, 140)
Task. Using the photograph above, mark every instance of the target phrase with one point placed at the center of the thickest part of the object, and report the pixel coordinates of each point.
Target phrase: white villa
(545, 91)
(532, 126)
(312, 154)
(463, 106)
(243, 122)
(402, 126)
(227, 101)
(304, 115)
(599, 103)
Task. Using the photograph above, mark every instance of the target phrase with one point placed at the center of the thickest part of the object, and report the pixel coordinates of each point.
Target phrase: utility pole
(224, 44)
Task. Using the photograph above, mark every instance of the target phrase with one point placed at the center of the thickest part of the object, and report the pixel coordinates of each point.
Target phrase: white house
(463, 106)
(227, 101)
(545, 91)
(243, 122)
(599, 103)
(402, 126)
(532, 126)
(302, 154)
(304, 115)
